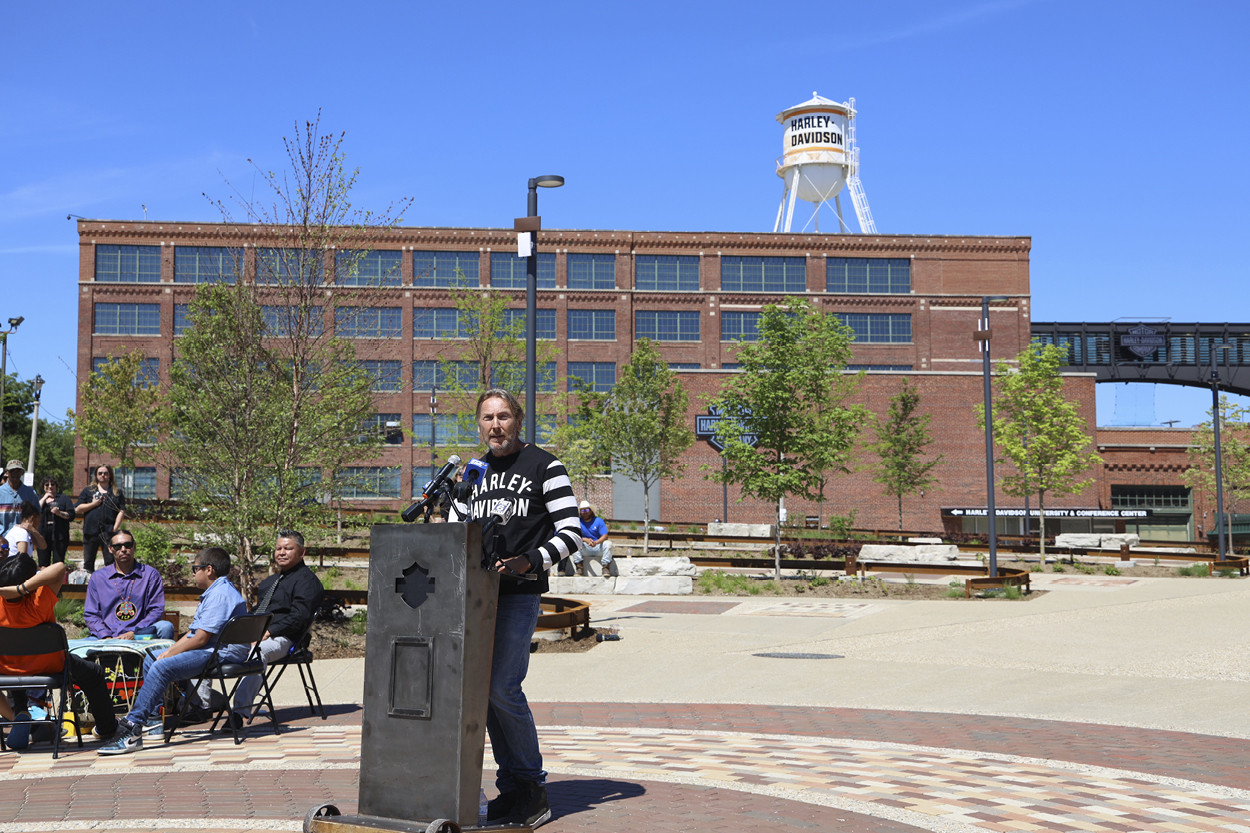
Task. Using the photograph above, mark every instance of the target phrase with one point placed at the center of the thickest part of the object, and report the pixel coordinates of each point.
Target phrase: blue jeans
(509, 721)
(158, 674)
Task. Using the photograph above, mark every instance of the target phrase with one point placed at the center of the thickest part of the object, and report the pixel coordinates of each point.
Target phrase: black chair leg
(310, 690)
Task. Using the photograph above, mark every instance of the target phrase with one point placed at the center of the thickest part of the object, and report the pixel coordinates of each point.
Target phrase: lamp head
(38, 383)
(16, 322)
(549, 181)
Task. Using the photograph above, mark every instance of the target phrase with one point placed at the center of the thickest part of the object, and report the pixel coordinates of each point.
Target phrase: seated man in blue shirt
(186, 658)
(594, 550)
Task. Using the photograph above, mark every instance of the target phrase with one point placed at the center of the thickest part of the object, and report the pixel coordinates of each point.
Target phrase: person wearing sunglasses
(126, 599)
(186, 658)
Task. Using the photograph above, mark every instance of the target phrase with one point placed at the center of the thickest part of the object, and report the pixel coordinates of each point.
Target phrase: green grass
(1112, 570)
(1226, 573)
(1011, 591)
(733, 584)
(955, 590)
(1058, 568)
(70, 610)
(331, 574)
(1193, 570)
(359, 622)
(819, 581)
(351, 585)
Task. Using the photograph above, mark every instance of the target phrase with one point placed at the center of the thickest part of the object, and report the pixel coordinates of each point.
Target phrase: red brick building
(914, 302)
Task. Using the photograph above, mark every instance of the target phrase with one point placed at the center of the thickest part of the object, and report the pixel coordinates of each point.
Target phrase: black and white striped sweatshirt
(545, 527)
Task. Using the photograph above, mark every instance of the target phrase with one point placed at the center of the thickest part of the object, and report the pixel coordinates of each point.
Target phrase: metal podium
(428, 646)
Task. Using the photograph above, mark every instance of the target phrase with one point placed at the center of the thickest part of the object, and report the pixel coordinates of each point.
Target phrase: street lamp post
(982, 336)
(1219, 461)
(34, 426)
(531, 306)
(433, 428)
(14, 323)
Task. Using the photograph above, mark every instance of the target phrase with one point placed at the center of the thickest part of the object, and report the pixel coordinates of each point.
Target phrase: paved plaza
(1101, 705)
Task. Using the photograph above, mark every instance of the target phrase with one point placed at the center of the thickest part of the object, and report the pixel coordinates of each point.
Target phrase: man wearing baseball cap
(594, 545)
(13, 493)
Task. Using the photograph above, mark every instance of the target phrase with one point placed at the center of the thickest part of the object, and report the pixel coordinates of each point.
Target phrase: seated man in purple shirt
(126, 598)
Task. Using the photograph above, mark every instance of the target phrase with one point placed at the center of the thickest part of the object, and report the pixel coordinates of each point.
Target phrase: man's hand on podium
(517, 564)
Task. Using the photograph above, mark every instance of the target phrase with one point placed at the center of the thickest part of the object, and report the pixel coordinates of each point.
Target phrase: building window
(369, 482)
(181, 484)
(149, 371)
(138, 483)
(546, 329)
(595, 376)
(731, 366)
(666, 326)
(383, 372)
(444, 269)
(301, 266)
(207, 264)
(283, 321)
(684, 366)
(449, 429)
(592, 271)
(739, 326)
(507, 271)
(376, 268)
(878, 328)
(384, 427)
(1150, 497)
(368, 322)
(763, 274)
(877, 368)
(182, 318)
(127, 319)
(511, 376)
(592, 324)
(876, 275)
(667, 273)
(545, 431)
(128, 264)
(427, 374)
(442, 322)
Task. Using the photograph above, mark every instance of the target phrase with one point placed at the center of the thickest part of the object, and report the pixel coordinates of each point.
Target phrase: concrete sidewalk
(1164, 653)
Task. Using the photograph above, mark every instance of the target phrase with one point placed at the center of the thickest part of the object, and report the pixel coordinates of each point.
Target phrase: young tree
(580, 444)
(1234, 456)
(1038, 430)
(120, 408)
(489, 352)
(54, 451)
(900, 445)
(791, 396)
(643, 426)
(266, 400)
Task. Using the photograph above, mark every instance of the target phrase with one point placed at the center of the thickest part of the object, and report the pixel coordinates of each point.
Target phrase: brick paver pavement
(632, 766)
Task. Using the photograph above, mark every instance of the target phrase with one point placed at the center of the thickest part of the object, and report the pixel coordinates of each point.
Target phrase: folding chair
(248, 629)
(301, 657)
(44, 638)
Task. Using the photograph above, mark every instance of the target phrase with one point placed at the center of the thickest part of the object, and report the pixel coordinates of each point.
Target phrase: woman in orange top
(29, 599)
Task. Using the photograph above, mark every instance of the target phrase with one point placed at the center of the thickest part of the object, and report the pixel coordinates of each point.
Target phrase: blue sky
(1111, 133)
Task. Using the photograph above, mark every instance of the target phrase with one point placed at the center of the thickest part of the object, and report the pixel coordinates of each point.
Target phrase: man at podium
(543, 530)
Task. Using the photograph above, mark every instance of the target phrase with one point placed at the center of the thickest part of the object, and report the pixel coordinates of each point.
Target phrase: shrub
(1112, 570)
(71, 611)
(1193, 570)
(819, 581)
(840, 526)
(1058, 568)
(360, 622)
(955, 590)
(152, 543)
(1011, 591)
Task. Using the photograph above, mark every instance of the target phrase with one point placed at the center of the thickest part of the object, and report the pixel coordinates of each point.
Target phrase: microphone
(432, 489)
(474, 470)
(502, 511)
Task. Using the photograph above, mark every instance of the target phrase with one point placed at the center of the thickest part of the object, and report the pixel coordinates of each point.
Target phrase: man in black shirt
(543, 529)
(293, 595)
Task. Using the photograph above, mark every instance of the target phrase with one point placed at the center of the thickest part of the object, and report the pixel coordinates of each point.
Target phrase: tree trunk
(777, 547)
(646, 516)
(1041, 523)
(900, 512)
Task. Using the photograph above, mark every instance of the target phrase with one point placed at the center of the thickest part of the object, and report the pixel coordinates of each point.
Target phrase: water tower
(819, 158)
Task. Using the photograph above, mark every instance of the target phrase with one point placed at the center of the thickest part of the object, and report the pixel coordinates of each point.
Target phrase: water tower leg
(794, 192)
(842, 226)
(781, 208)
